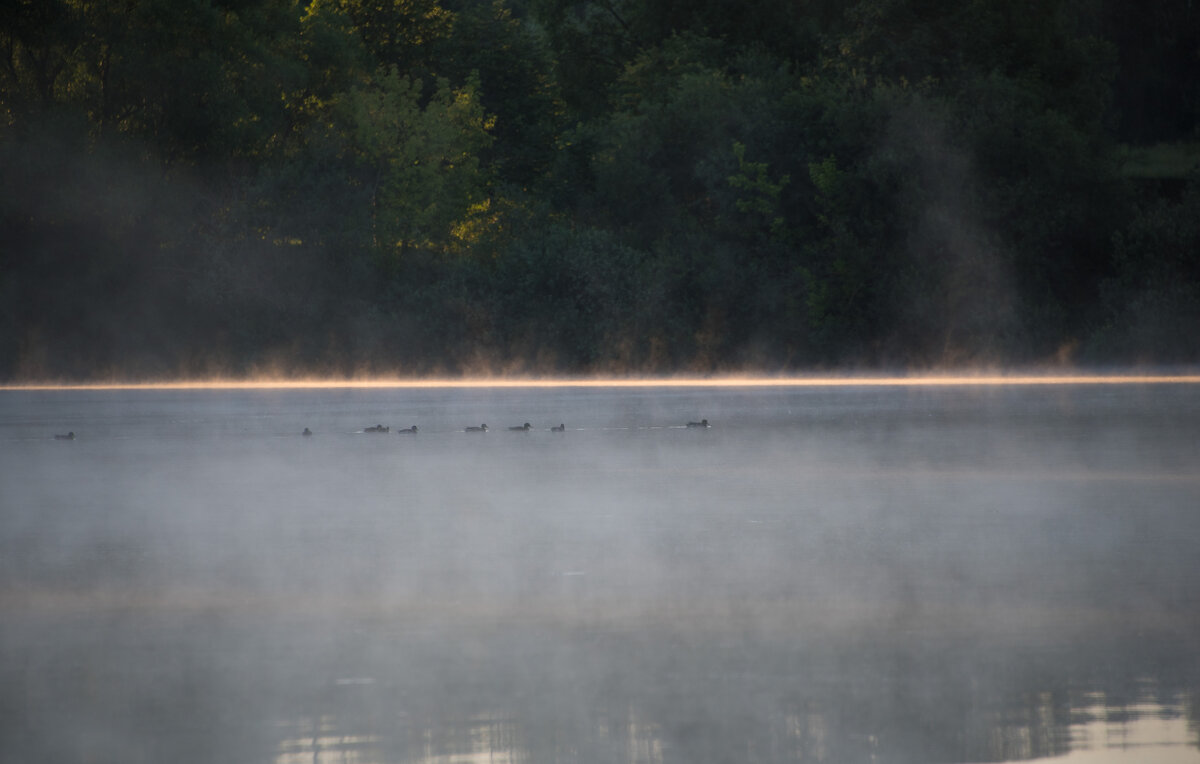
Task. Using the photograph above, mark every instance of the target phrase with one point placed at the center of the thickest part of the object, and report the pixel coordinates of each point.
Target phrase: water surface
(829, 575)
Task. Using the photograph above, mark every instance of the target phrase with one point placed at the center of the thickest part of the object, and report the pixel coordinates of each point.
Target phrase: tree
(514, 69)
(402, 34)
(1152, 302)
(419, 161)
(38, 43)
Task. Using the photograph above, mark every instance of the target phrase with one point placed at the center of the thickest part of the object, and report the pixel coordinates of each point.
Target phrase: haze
(825, 574)
(929, 269)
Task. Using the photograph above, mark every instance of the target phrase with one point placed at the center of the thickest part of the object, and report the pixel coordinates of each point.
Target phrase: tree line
(593, 186)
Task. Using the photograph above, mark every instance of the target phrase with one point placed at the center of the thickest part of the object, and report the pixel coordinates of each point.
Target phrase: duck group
(379, 428)
(526, 427)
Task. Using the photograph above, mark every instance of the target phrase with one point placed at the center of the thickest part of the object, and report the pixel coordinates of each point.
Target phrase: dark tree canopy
(585, 186)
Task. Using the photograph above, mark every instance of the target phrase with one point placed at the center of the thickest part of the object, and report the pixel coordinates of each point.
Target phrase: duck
(559, 428)
(307, 432)
(68, 436)
(377, 428)
(407, 431)
(480, 428)
(523, 428)
(701, 423)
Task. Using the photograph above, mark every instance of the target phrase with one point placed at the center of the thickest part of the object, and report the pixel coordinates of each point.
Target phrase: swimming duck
(68, 436)
(407, 431)
(306, 432)
(480, 428)
(523, 428)
(701, 423)
(377, 428)
(559, 428)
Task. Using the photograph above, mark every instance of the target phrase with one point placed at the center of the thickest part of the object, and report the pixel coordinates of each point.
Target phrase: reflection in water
(779, 724)
(891, 576)
(522, 695)
(1152, 729)
(325, 744)
(1153, 732)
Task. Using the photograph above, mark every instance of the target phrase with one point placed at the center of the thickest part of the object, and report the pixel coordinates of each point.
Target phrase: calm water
(825, 575)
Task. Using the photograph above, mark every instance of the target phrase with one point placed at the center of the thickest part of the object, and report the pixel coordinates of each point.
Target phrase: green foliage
(569, 299)
(400, 34)
(1152, 301)
(514, 71)
(760, 195)
(591, 41)
(1161, 161)
(584, 185)
(1156, 90)
(421, 161)
(40, 44)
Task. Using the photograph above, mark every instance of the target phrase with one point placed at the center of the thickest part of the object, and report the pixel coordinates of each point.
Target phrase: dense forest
(595, 186)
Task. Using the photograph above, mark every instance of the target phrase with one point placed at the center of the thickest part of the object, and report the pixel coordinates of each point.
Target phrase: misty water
(849, 574)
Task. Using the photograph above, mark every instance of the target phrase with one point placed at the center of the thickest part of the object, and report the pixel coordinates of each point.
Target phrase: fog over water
(852, 574)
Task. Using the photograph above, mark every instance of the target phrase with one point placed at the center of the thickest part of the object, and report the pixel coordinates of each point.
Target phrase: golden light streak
(957, 380)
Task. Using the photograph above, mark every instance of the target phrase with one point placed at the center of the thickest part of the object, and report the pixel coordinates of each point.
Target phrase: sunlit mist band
(957, 380)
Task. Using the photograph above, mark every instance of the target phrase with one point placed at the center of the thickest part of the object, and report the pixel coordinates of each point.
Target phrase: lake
(841, 574)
